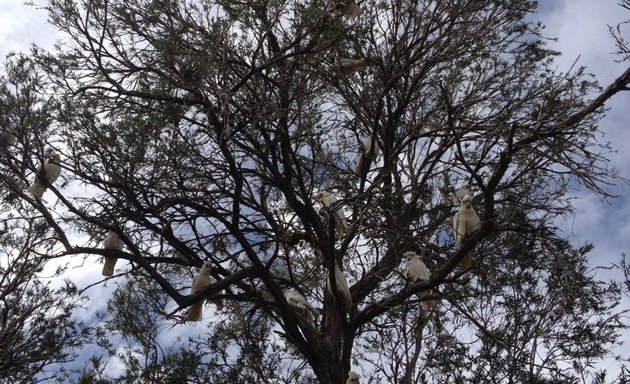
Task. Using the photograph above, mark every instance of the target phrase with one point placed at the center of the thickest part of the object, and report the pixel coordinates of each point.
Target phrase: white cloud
(21, 25)
(581, 27)
(582, 31)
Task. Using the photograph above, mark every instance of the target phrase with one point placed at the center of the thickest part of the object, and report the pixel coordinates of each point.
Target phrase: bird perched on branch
(342, 286)
(48, 174)
(353, 378)
(348, 66)
(111, 242)
(300, 305)
(465, 223)
(334, 207)
(348, 8)
(201, 282)
(368, 151)
(418, 272)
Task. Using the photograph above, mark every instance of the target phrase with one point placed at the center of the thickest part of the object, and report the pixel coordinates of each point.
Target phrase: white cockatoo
(465, 222)
(349, 8)
(417, 272)
(353, 378)
(300, 305)
(347, 66)
(112, 242)
(50, 172)
(201, 282)
(334, 206)
(342, 287)
(367, 153)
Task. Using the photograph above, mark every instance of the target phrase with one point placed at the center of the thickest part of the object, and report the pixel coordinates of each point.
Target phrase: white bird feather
(111, 242)
(367, 153)
(353, 378)
(201, 282)
(465, 222)
(349, 9)
(348, 66)
(342, 286)
(300, 305)
(417, 272)
(50, 172)
(333, 204)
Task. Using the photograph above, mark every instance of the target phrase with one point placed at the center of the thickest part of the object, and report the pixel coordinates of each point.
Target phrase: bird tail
(37, 189)
(108, 266)
(194, 312)
(466, 262)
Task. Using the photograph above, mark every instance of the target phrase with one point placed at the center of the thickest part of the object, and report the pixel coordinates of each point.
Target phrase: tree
(202, 131)
(38, 333)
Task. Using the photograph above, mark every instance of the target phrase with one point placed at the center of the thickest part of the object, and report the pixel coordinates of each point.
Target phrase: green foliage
(202, 130)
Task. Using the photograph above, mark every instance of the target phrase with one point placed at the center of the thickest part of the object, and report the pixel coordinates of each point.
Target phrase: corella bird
(349, 8)
(353, 378)
(300, 305)
(342, 286)
(335, 207)
(418, 272)
(111, 242)
(465, 223)
(201, 282)
(348, 66)
(48, 174)
(367, 153)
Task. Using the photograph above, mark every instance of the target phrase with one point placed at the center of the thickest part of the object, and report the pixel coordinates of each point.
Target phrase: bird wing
(416, 270)
(201, 281)
(425, 274)
(456, 226)
(472, 222)
(112, 241)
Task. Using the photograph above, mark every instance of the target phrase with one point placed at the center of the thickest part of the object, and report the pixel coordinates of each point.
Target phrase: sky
(581, 29)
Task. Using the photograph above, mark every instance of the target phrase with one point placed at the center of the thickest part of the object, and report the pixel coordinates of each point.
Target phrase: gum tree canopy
(302, 151)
